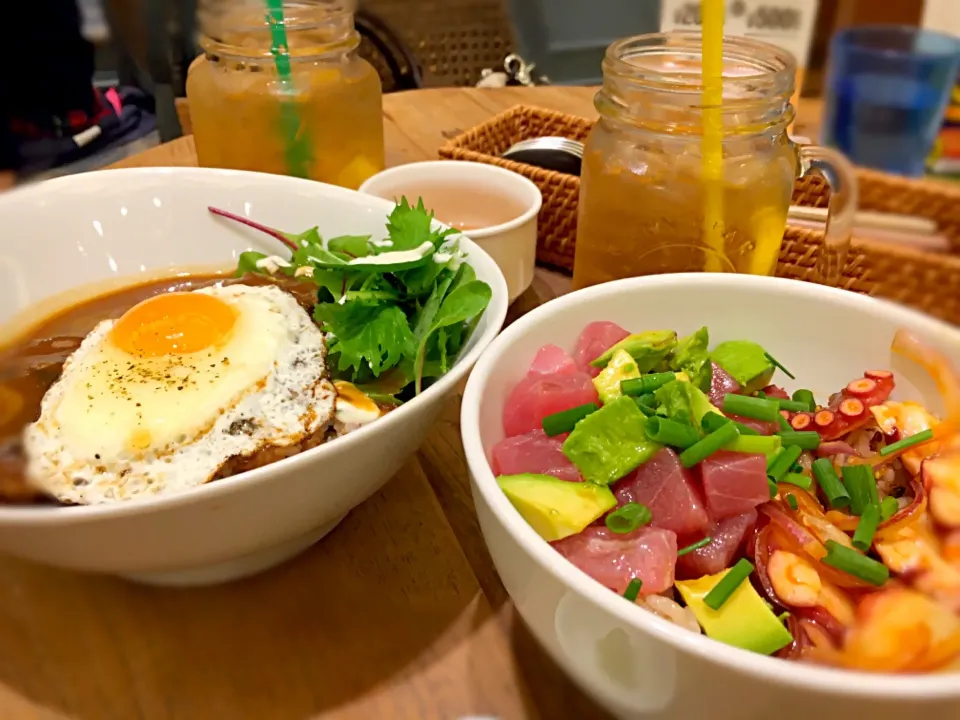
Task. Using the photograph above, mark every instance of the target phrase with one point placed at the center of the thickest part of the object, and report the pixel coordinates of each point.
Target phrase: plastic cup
(887, 91)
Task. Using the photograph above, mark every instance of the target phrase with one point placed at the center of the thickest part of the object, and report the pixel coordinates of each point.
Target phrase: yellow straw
(711, 15)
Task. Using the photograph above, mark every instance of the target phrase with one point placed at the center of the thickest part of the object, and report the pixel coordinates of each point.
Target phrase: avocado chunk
(647, 348)
(611, 442)
(683, 402)
(621, 367)
(746, 362)
(692, 358)
(744, 620)
(556, 508)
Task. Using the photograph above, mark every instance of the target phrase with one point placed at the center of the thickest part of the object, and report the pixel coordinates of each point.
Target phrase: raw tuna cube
(534, 453)
(721, 383)
(727, 539)
(775, 391)
(669, 490)
(595, 340)
(761, 426)
(734, 483)
(613, 560)
(553, 360)
(537, 396)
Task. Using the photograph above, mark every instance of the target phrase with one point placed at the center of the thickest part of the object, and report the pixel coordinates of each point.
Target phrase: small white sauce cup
(513, 244)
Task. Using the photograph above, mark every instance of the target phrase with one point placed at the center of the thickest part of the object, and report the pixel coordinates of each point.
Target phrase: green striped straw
(297, 149)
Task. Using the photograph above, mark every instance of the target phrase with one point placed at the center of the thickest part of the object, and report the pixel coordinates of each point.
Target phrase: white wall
(942, 15)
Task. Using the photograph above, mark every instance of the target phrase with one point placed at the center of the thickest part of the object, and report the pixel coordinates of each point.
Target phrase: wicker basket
(926, 281)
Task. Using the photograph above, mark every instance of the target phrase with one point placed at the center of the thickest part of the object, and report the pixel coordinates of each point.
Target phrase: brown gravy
(31, 364)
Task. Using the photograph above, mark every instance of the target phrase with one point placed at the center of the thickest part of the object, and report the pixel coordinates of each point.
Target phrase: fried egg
(159, 400)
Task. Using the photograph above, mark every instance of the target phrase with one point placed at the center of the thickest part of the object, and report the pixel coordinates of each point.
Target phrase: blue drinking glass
(887, 91)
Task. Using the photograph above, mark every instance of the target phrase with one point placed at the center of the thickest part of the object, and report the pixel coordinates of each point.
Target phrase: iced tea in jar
(647, 206)
(312, 109)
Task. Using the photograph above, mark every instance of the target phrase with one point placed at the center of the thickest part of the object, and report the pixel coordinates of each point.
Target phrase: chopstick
(869, 219)
(904, 230)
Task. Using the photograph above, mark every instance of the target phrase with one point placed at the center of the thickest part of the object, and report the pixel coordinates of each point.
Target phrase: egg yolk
(174, 324)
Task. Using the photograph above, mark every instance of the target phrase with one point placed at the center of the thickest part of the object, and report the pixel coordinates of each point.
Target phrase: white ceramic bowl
(513, 244)
(631, 661)
(123, 223)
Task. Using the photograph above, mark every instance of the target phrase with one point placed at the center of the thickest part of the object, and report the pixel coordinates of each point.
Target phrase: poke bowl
(728, 496)
(188, 395)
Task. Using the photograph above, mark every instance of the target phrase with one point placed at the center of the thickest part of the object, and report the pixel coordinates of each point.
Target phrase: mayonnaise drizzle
(272, 264)
(397, 256)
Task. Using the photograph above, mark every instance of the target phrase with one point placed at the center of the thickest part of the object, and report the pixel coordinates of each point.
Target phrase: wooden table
(397, 614)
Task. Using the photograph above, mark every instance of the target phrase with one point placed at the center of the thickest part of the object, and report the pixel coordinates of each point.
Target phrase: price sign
(785, 23)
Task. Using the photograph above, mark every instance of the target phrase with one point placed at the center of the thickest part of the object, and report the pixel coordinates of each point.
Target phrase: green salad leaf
(375, 336)
(392, 324)
(247, 262)
(409, 227)
(453, 302)
(352, 245)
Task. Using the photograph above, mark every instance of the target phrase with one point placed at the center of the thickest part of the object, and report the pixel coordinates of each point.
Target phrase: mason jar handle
(833, 167)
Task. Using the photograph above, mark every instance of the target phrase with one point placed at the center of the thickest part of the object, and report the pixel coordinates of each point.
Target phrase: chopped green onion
(751, 407)
(829, 482)
(853, 563)
(772, 359)
(866, 528)
(806, 397)
(784, 424)
(791, 405)
(798, 479)
(628, 518)
(920, 437)
(760, 394)
(694, 546)
(773, 487)
(888, 508)
(713, 442)
(792, 501)
(784, 616)
(728, 584)
(755, 445)
(633, 589)
(564, 422)
(804, 439)
(646, 383)
(861, 486)
(672, 433)
(648, 411)
(779, 465)
(712, 421)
